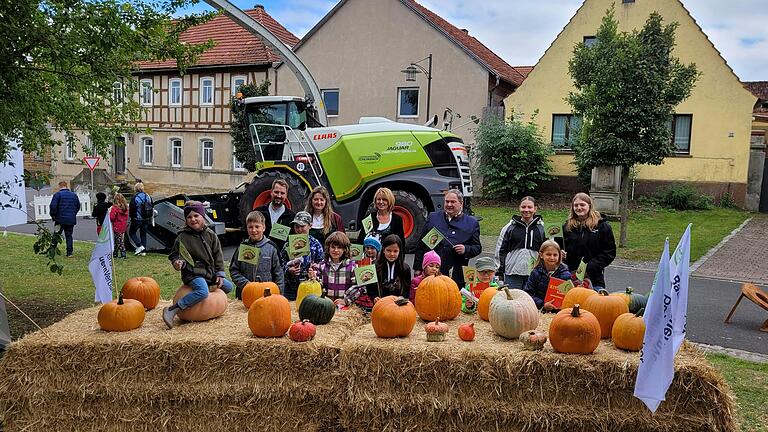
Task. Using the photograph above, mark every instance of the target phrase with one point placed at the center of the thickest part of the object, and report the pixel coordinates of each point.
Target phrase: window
(237, 82)
(628, 1)
(174, 92)
(146, 92)
(331, 101)
(207, 154)
(206, 91)
(175, 152)
(565, 130)
(590, 41)
(680, 128)
(237, 165)
(90, 149)
(117, 92)
(147, 151)
(69, 149)
(408, 102)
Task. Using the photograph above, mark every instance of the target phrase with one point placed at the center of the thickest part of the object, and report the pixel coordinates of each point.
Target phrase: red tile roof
(483, 54)
(758, 88)
(524, 70)
(234, 44)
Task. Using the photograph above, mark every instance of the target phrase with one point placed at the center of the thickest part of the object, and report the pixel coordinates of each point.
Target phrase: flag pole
(25, 315)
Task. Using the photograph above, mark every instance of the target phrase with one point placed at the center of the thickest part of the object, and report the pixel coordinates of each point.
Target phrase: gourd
(635, 302)
(574, 331)
(302, 331)
(393, 317)
(269, 316)
(512, 312)
(121, 315)
(144, 289)
(438, 296)
(211, 307)
(255, 290)
(577, 295)
(467, 332)
(318, 310)
(484, 303)
(436, 331)
(628, 331)
(606, 309)
(533, 340)
(307, 287)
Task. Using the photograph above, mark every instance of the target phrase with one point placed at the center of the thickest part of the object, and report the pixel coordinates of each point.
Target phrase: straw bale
(494, 384)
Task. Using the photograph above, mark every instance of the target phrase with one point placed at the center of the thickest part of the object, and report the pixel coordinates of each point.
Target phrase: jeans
(67, 229)
(200, 291)
(515, 281)
(141, 226)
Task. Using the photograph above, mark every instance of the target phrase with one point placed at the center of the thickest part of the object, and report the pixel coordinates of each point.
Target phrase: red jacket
(119, 219)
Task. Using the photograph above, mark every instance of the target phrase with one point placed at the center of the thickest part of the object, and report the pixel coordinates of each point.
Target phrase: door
(119, 153)
(764, 190)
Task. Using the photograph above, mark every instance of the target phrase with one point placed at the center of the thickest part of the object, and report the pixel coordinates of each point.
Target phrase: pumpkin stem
(258, 279)
(267, 292)
(509, 294)
(401, 301)
(304, 322)
(630, 290)
(640, 312)
(120, 298)
(603, 292)
(575, 311)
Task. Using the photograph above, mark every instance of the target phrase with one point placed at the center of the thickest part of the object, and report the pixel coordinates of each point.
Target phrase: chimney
(260, 6)
(466, 31)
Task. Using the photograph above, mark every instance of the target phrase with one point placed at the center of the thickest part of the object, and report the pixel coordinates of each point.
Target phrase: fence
(42, 205)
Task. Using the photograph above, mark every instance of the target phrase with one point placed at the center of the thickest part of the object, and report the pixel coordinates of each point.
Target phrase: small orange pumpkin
(467, 332)
(484, 304)
(628, 331)
(574, 331)
(436, 331)
(213, 306)
(270, 315)
(121, 315)
(606, 308)
(438, 297)
(577, 295)
(144, 289)
(255, 290)
(393, 317)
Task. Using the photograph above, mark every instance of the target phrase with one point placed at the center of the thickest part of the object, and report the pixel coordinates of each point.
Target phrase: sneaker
(70, 256)
(143, 254)
(168, 316)
(139, 250)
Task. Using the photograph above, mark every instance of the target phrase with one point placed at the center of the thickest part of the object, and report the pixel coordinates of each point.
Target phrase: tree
(60, 60)
(238, 126)
(627, 88)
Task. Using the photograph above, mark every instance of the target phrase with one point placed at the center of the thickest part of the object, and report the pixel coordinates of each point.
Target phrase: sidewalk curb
(740, 354)
(695, 266)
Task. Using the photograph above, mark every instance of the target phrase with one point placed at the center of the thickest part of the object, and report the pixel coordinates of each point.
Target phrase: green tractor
(418, 163)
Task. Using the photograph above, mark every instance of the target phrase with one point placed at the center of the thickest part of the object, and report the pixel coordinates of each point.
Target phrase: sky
(519, 31)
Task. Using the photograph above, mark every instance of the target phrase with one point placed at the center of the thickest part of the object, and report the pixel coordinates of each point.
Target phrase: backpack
(146, 208)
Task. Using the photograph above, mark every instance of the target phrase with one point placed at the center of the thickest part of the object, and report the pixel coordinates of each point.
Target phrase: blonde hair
(387, 194)
(547, 245)
(120, 201)
(138, 187)
(327, 211)
(255, 217)
(592, 218)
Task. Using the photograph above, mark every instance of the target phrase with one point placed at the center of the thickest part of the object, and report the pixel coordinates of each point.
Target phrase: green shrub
(513, 158)
(683, 197)
(726, 200)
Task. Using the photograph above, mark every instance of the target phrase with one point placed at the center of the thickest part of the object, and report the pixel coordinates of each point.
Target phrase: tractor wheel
(257, 193)
(414, 213)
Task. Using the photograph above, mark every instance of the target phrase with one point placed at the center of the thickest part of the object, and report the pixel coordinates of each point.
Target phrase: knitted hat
(373, 242)
(194, 206)
(430, 258)
(485, 263)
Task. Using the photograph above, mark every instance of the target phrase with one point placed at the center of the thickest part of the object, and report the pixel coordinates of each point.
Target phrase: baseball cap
(302, 218)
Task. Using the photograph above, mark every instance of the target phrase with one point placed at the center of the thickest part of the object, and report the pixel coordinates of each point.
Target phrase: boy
(486, 270)
(371, 249)
(297, 269)
(268, 267)
(197, 254)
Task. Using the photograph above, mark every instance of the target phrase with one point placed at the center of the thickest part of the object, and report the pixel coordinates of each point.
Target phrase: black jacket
(597, 248)
(285, 219)
(521, 236)
(400, 286)
(100, 210)
(395, 227)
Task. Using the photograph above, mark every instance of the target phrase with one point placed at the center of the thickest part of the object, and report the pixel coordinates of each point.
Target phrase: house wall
(721, 107)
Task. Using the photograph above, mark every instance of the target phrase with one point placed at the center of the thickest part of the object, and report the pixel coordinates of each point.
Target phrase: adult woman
(140, 212)
(588, 237)
(520, 244)
(324, 219)
(384, 221)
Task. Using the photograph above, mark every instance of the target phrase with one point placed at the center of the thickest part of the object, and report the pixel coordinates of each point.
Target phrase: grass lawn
(749, 381)
(647, 228)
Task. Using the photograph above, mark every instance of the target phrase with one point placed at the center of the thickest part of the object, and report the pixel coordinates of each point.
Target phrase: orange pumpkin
(467, 332)
(577, 295)
(121, 315)
(393, 317)
(484, 304)
(574, 331)
(606, 308)
(255, 290)
(628, 331)
(438, 297)
(144, 289)
(270, 315)
(212, 307)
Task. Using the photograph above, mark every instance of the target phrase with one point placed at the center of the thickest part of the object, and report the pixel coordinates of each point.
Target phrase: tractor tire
(254, 195)
(414, 213)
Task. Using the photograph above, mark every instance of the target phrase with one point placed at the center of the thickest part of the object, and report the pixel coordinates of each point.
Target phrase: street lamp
(415, 68)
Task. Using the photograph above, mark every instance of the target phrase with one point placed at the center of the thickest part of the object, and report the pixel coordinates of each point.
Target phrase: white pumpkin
(512, 312)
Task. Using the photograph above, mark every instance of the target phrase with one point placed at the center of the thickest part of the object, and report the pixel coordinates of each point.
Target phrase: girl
(393, 273)
(371, 248)
(324, 219)
(431, 265)
(520, 244)
(549, 264)
(336, 272)
(385, 222)
(588, 237)
(100, 210)
(118, 216)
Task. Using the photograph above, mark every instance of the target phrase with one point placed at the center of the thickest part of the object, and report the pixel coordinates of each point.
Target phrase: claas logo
(324, 136)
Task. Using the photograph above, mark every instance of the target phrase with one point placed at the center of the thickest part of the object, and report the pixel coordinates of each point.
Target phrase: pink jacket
(119, 219)
(415, 284)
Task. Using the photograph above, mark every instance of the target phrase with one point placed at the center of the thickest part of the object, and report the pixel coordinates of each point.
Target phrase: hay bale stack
(493, 384)
(199, 376)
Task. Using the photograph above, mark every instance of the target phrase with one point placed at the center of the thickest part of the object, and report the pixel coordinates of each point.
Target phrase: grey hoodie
(268, 269)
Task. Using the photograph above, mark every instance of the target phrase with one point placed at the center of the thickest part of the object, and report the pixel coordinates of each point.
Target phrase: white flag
(100, 265)
(5, 331)
(656, 370)
(680, 267)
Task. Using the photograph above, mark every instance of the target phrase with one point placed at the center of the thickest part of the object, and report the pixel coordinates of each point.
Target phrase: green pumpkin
(635, 302)
(318, 310)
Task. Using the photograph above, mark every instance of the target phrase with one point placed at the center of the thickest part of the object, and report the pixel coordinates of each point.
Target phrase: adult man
(64, 208)
(462, 237)
(276, 211)
(140, 211)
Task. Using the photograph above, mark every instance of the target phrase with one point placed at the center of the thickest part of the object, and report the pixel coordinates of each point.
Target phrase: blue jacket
(64, 207)
(463, 229)
(137, 200)
(538, 282)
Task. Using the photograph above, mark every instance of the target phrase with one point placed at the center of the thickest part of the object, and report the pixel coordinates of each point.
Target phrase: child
(198, 243)
(431, 267)
(548, 264)
(393, 273)
(371, 249)
(486, 270)
(297, 269)
(267, 269)
(336, 272)
(118, 216)
(100, 210)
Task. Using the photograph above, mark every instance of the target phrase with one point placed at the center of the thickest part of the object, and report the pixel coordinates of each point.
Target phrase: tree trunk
(624, 205)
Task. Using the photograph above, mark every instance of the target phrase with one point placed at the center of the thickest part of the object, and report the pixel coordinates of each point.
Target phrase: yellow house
(711, 129)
